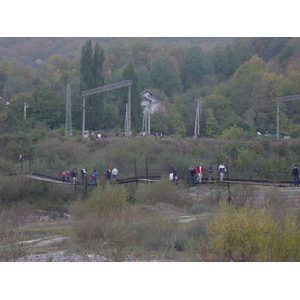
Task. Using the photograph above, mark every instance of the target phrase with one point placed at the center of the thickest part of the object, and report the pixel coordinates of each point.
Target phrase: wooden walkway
(282, 183)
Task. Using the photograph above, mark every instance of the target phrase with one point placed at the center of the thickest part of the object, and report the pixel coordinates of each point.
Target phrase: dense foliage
(237, 79)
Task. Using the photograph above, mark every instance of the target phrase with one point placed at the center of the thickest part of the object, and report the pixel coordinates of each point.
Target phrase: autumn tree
(243, 81)
(141, 52)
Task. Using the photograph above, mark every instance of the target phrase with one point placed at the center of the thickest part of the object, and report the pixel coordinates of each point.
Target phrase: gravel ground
(62, 257)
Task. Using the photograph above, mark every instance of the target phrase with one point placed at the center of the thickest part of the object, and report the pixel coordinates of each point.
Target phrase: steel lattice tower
(68, 112)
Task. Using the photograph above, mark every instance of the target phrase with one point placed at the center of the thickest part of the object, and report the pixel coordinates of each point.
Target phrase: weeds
(13, 242)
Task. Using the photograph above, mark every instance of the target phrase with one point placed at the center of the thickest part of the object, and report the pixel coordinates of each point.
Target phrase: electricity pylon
(68, 112)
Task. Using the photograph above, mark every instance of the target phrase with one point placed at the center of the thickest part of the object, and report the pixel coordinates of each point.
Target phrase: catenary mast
(68, 112)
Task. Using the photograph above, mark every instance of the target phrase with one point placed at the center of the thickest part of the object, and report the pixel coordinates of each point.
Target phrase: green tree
(158, 122)
(144, 78)
(17, 104)
(141, 52)
(211, 125)
(243, 81)
(46, 107)
(165, 75)
(175, 123)
(5, 72)
(15, 85)
(91, 71)
(196, 66)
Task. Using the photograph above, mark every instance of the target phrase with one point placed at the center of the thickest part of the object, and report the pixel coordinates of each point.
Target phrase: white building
(149, 102)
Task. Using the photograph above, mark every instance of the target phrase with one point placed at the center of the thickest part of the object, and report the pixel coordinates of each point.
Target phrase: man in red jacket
(200, 171)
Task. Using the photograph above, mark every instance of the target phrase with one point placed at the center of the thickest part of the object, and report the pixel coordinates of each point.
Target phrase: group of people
(94, 136)
(196, 174)
(71, 176)
(109, 175)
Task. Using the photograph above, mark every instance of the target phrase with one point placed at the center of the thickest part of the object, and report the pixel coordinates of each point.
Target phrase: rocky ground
(63, 256)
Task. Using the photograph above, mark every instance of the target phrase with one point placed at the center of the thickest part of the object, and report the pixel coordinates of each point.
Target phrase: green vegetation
(161, 220)
(237, 79)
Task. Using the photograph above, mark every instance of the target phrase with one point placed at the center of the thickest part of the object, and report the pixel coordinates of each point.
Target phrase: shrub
(162, 191)
(12, 242)
(250, 234)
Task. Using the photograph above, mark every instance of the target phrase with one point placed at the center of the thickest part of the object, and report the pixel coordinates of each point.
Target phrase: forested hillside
(237, 80)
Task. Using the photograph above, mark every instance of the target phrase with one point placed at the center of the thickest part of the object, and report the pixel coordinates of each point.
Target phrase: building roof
(148, 95)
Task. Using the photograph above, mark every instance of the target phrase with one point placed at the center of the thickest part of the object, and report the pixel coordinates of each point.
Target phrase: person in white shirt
(114, 174)
(222, 170)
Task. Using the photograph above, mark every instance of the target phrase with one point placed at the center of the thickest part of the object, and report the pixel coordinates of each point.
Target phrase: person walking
(295, 173)
(173, 172)
(199, 171)
(95, 177)
(91, 177)
(210, 170)
(114, 174)
(192, 173)
(83, 174)
(63, 176)
(107, 174)
(222, 170)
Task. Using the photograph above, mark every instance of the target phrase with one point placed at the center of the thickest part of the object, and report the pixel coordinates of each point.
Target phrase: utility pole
(25, 110)
(197, 119)
(146, 121)
(126, 120)
(68, 112)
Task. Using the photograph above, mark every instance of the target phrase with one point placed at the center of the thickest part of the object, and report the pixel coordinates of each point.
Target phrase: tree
(175, 123)
(91, 71)
(211, 126)
(196, 66)
(243, 81)
(17, 104)
(47, 107)
(165, 75)
(141, 52)
(5, 72)
(144, 78)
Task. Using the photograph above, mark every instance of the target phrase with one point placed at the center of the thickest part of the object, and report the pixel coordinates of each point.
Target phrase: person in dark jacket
(192, 173)
(295, 173)
(210, 170)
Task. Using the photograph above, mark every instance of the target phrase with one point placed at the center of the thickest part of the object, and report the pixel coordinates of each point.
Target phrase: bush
(12, 242)
(249, 234)
(164, 191)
